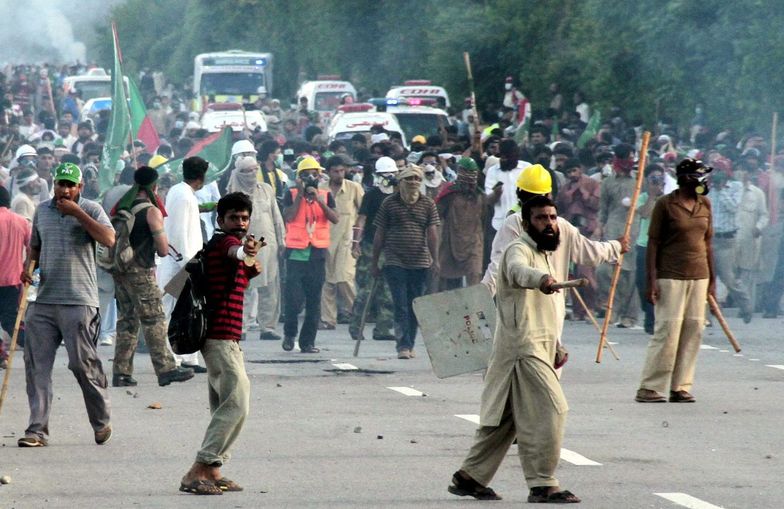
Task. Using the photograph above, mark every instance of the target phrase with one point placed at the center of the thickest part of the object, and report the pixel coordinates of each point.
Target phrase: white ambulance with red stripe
(420, 89)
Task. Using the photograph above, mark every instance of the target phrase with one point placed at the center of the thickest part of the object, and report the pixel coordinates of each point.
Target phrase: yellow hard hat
(535, 179)
(308, 163)
(156, 161)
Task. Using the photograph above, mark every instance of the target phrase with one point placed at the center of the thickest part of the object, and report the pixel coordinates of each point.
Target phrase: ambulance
(325, 95)
(421, 89)
(219, 115)
(232, 76)
(351, 119)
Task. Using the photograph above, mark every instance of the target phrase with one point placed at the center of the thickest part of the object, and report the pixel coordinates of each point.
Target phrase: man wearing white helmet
(26, 157)
(241, 148)
(362, 249)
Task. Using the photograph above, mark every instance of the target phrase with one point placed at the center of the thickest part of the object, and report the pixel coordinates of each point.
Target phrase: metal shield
(457, 327)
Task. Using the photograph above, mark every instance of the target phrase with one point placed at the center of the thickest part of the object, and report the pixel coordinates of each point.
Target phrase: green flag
(594, 123)
(119, 129)
(142, 127)
(215, 149)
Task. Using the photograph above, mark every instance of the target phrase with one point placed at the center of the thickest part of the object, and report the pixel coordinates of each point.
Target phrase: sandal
(226, 484)
(463, 486)
(539, 495)
(201, 487)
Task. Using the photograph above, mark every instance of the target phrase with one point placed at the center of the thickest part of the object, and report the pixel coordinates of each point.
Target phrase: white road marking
(754, 360)
(406, 391)
(776, 366)
(345, 366)
(612, 343)
(577, 459)
(707, 347)
(566, 455)
(724, 351)
(737, 355)
(684, 500)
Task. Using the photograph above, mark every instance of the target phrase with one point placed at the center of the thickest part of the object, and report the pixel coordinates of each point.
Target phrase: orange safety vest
(310, 226)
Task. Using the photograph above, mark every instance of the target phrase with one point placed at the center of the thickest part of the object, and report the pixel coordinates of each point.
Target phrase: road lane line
(754, 360)
(724, 351)
(577, 459)
(406, 391)
(566, 455)
(776, 366)
(707, 347)
(344, 366)
(684, 500)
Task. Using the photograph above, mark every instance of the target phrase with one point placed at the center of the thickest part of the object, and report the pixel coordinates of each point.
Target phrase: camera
(310, 181)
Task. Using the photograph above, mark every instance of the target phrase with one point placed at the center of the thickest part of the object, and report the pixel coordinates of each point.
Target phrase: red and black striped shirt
(227, 279)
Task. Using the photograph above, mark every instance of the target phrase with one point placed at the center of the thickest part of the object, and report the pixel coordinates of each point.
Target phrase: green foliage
(654, 60)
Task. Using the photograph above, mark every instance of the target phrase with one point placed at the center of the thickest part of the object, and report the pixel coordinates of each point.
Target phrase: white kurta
(752, 213)
(183, 230)
(508, 199)
(574, 247)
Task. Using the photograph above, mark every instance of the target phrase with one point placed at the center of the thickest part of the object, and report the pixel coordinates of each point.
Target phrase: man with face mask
(407, 231)
(680, 277)
(26, 200)
(65, 231)
(362, 249)
(615, 200)
(262, 297)
(307, 211)
(522, 396)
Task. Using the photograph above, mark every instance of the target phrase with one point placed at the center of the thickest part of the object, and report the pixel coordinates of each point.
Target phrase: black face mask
(547, 240)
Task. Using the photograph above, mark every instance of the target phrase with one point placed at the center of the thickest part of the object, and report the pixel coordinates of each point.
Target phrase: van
(354, 119)
(324, 96)
(421, 89)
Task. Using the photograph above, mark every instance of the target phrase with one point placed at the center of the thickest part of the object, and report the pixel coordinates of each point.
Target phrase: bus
(232, 76)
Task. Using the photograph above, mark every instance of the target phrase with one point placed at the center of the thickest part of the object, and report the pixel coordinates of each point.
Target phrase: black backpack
(188, 325)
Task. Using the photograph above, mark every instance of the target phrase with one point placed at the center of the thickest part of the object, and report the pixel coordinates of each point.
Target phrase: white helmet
(386, 165)
(25, 150)
(242, 147)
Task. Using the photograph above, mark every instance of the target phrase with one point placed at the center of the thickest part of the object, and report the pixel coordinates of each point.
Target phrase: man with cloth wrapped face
(407, 232)
(136, 289)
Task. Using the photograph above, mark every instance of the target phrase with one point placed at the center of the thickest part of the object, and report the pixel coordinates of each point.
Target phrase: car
(233, 115)
(93, 106)
(351, 119)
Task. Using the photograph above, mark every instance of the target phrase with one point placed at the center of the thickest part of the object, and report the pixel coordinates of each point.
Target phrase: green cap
(468, 164)
(69, 172)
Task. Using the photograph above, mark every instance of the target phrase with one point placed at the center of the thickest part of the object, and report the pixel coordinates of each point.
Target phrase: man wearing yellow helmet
(307, 211)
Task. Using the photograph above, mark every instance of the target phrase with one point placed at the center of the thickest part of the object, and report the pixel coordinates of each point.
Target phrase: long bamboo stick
(772, 200)
(589, 313)
(19, 317)
(646, 138)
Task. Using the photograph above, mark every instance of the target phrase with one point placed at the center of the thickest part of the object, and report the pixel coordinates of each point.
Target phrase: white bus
(232, 76)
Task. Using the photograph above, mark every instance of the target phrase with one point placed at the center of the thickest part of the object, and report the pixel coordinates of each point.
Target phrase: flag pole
(772, 204)
(474, 111)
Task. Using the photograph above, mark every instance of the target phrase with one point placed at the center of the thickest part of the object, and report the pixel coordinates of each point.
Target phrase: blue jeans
(405, 285)
(642, 283)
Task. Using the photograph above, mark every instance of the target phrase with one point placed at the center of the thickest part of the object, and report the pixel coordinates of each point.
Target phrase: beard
(546, 240)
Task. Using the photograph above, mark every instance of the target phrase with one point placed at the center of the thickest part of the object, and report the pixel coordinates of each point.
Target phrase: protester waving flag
(215, 149)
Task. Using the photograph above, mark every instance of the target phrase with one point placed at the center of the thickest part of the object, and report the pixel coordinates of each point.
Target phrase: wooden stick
(646, 138)
(716, 310)
(19, 316)
(474, 111)
(361, 335)
(574, 283)
(589, 313)
(772, 205)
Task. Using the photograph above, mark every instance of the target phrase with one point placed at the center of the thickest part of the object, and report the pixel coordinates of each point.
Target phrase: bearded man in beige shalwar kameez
(522, 398)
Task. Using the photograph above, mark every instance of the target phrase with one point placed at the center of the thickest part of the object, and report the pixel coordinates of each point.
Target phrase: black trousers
(303, 285)
(9, 306)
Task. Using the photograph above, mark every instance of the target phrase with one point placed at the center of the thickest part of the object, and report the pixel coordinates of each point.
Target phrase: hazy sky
(49, 30)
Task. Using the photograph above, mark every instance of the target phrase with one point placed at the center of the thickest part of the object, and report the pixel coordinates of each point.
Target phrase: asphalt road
(322, 434)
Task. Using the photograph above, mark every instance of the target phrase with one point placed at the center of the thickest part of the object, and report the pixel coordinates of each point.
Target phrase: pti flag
(117, 135)
(141, 124)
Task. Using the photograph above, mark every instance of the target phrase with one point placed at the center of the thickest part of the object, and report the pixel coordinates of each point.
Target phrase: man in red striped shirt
(230, 263)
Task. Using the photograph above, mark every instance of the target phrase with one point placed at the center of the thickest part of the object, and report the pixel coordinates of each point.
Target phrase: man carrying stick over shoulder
(522, 397)
(680, 277)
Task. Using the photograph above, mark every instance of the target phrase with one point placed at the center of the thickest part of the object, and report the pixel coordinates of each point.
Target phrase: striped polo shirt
(405, 231)
(67, 259)
(227, 279)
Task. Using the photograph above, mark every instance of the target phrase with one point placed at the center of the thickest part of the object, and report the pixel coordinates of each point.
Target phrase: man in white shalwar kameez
(183, 228)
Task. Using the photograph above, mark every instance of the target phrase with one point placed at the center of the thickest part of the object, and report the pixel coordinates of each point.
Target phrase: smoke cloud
(55, 31)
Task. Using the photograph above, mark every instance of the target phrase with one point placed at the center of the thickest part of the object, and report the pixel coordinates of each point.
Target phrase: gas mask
(386, 182)
(694, 170)
(508, 86)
